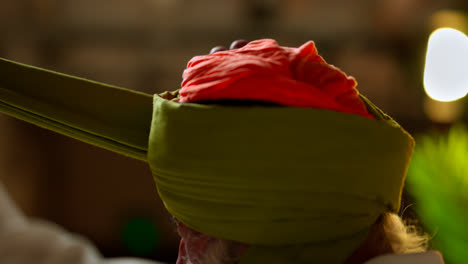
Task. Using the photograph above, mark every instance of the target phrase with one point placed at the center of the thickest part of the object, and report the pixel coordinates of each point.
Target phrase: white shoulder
(430, 257)
(129, 261)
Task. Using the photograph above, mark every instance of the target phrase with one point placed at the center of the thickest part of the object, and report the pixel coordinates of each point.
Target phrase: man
(266, 155)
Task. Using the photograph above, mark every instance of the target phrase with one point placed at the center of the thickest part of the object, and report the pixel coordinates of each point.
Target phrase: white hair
(403, 237)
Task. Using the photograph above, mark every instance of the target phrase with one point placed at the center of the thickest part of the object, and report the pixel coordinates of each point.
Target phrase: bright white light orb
(446, 69)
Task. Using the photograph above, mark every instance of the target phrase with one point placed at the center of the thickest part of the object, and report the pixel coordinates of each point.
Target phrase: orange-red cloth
(264, 71)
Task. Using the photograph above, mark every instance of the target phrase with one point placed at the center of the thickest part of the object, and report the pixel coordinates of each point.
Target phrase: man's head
(272, 75)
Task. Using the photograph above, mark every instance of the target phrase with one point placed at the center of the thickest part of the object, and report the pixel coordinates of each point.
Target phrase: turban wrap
(299, 184)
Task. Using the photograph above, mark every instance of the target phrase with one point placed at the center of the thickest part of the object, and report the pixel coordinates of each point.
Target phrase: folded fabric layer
(264, 71)
(113, 118)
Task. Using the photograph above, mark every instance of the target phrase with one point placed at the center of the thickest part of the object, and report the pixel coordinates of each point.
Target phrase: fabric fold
(103, 115)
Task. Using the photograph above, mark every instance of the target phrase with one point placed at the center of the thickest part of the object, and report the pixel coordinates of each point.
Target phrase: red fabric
(264, 71)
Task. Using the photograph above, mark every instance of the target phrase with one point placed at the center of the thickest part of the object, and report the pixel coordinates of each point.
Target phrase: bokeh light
(446, 68)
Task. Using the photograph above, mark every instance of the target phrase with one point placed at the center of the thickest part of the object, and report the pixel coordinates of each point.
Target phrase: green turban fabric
(300, 185)
(274, 176)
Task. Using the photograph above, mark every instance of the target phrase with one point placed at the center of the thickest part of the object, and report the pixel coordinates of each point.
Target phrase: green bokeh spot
(141, 236)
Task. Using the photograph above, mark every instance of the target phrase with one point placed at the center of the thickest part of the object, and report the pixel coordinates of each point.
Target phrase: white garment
(25, 241)
(430, 257)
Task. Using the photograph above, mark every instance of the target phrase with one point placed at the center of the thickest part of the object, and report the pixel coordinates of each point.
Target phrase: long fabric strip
(103, 115)
(271, 176)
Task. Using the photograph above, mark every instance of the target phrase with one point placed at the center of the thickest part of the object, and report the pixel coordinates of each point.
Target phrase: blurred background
(144, 45)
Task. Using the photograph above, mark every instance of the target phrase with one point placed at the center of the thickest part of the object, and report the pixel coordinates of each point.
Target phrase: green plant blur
(438, 180)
